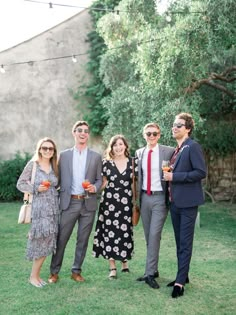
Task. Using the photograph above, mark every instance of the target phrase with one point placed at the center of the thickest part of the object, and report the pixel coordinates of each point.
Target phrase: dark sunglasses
(179, 125)
(148, 134)
(51, 149)
(82, 130)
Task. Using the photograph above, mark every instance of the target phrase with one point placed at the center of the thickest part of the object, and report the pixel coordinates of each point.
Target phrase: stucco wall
(35, 98)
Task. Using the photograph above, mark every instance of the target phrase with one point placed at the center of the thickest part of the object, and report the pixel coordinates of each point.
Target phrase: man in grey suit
(76, 165)
(153, 197)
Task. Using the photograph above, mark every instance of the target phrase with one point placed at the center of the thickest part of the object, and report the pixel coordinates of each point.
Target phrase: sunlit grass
(212, 288)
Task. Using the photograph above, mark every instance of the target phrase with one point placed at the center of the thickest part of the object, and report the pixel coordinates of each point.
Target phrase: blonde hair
(37, 155)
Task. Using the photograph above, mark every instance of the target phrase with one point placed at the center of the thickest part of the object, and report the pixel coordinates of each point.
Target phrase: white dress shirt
(155, 169)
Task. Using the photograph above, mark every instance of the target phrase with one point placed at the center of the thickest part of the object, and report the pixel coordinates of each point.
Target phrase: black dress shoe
(142, 278)
(172, 283)
(150, 280)
(177, 292)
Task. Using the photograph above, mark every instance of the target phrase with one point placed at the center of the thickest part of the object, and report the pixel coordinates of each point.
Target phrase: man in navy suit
(186, 194)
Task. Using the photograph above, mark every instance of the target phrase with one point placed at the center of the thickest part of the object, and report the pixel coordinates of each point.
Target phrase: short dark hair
(189, 122)
(79, 123)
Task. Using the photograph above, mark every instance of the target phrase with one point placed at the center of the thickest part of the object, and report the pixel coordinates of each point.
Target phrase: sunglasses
(148, 134)
(82, 130)
(51, 149)
(178, 125)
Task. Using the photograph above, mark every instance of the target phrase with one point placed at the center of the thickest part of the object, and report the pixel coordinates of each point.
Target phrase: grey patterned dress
(45, 212)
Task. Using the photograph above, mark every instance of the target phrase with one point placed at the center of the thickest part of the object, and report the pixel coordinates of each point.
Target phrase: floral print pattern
(114, 231)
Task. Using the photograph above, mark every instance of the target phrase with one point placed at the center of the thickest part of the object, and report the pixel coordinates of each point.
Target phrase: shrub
(10, 171)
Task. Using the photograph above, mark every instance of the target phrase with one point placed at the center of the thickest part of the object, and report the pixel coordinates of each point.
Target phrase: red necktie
(149, 164)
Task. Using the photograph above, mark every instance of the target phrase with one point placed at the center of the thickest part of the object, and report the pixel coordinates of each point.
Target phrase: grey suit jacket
(165, 153)
(93, 173)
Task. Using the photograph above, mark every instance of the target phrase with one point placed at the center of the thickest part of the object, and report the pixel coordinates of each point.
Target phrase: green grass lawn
(212, 288)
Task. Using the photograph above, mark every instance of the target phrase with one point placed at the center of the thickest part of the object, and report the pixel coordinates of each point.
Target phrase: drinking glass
(85, 185)
(165, 167)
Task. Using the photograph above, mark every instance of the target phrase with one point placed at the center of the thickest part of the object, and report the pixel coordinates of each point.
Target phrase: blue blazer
(188, 171)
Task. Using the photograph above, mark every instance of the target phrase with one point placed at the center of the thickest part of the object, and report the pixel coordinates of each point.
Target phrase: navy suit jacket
(188, 171)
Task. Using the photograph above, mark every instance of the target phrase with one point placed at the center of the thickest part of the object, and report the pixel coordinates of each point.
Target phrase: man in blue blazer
(186, 194)
(75, 165)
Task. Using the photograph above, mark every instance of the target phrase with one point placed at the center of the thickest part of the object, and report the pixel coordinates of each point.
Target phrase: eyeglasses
(178, 125)
(148, 134)
(82, 130)
(51, 149)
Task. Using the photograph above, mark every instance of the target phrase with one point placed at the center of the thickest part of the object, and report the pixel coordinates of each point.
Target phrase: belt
(154, 192)
(77, 196)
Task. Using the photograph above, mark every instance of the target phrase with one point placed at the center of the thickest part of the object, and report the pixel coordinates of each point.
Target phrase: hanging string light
(2, 70)
(74, 59)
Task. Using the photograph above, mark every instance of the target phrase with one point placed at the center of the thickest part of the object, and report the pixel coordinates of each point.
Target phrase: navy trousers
(183, 221)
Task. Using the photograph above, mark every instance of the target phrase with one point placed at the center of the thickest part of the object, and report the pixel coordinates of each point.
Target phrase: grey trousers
(76, 212)
(153, 214)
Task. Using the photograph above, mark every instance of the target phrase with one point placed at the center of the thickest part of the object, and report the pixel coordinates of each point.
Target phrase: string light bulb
(2, 70)
(74, 59)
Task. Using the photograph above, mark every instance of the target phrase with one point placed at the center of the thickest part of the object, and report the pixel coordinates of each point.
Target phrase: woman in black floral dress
(114, 231)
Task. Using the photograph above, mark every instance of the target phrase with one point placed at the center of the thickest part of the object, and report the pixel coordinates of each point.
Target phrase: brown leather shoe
(53, 278)
(77, 277)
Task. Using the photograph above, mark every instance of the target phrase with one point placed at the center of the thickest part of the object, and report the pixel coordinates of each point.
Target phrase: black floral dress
(114, 231)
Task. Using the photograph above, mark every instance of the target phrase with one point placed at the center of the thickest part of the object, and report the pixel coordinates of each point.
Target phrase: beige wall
(35, 99)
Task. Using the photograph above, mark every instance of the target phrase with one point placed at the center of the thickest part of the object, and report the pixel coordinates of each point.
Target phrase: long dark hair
(109, 154)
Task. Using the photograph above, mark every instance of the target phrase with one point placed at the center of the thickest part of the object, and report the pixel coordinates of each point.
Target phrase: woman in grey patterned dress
(45, 206)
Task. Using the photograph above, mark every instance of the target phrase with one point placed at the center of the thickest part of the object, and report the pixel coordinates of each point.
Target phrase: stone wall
(221, 179)
(36, 98)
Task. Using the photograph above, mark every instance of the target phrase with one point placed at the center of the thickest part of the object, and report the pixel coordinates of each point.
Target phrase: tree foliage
(155, 69)
(91, 94)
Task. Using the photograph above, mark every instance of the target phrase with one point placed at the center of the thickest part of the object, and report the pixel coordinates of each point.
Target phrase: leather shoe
(172, 283)
(177, 292)
(77, 277)
(53, 278)
(150, 280)
(142, 278)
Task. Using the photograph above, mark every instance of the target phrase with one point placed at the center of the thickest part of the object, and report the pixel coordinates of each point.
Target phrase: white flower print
(112, 185)
(111, 207)
(108, 222)
(106, 212)
(126, 183)
(115, 222)
(124, 200)
(108, 248)
(101, 218)
(106, 239)
(129, 246)
(109, 195)
(126, 208)
(116, 196)
(111, 234)
(108, 172)
(115, 249)
(123, 227)
(123, 253)
(116, 241)
(126, 235)
(117, 214)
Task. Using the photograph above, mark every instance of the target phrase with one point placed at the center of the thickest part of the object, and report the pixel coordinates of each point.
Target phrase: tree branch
(224, 77)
